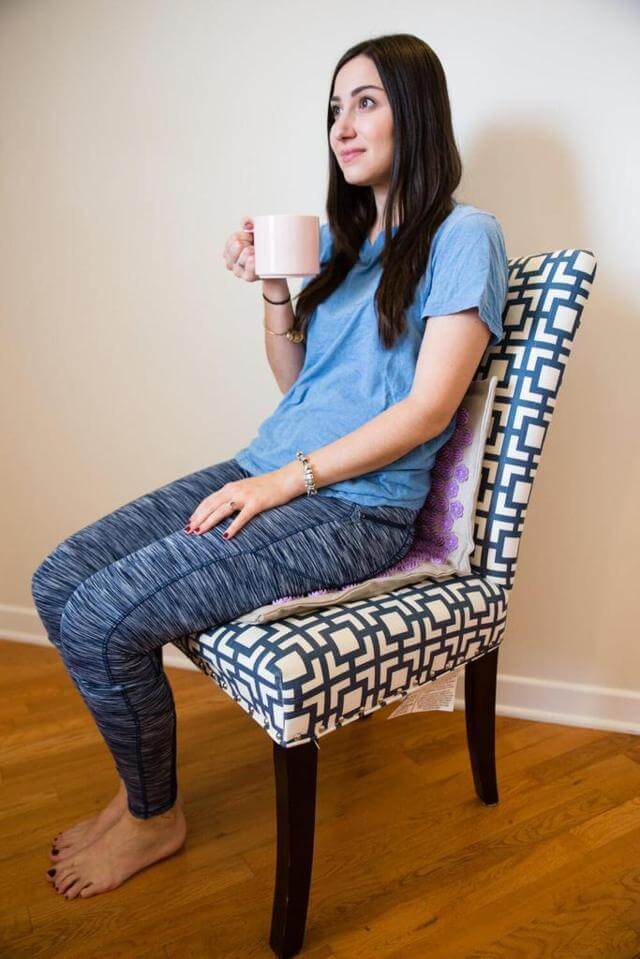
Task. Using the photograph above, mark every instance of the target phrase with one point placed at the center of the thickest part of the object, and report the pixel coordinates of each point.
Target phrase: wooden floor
(408, 862)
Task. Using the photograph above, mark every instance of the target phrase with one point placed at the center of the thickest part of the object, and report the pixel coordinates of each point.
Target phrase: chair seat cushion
(303, 676)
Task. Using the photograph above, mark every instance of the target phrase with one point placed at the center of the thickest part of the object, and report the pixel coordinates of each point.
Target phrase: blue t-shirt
(348, 377)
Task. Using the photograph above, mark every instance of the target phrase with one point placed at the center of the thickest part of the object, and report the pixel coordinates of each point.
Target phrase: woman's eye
(362, 99)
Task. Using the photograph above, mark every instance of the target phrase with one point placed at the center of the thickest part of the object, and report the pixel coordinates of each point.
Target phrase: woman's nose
(343, 136)
(342, 125)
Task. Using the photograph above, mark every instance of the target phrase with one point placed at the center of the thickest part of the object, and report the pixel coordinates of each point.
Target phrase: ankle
(163, 819)
(122, 794)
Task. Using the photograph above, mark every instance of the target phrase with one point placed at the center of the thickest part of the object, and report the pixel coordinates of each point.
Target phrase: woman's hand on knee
(248, 496)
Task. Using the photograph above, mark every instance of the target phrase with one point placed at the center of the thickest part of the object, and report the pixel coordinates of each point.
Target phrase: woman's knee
(48, 592)
(42, 577)
(94, 622)
(57, 570)
(85, 620)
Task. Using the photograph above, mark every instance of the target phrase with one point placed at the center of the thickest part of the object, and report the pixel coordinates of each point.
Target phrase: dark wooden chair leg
(480, 715)
(295, 775)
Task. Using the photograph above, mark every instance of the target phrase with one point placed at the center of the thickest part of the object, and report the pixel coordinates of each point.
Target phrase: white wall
(133, 138)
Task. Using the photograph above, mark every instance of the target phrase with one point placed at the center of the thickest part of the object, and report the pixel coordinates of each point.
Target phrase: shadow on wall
(530, 179)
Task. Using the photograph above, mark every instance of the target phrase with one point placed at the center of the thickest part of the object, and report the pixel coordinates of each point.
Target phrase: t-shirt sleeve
(470, 269)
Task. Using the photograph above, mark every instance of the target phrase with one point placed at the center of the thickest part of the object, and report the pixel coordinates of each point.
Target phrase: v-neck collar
(370, 251)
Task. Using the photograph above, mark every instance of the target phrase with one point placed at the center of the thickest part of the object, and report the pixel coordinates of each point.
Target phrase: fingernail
(197, 529)
(225, 535)
(51, 872)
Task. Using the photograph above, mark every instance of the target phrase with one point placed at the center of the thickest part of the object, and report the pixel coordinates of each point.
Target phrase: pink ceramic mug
(286, 245)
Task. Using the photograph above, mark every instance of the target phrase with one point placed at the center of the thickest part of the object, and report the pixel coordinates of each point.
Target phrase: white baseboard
(536, 699)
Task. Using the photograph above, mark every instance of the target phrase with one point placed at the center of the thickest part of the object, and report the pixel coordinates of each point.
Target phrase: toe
(68, 882)
(62, 875)
(63, 856)
(62, 849)
(88, 890)
(76, 888)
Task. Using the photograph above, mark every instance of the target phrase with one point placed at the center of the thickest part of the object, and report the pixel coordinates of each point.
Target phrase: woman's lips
(350, 156)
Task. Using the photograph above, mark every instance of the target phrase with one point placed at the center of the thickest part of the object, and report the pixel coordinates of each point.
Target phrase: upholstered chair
(304, 676)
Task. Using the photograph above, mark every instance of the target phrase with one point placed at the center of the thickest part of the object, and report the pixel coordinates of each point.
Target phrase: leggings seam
(408, 538)
(313, 584)
(381, 569)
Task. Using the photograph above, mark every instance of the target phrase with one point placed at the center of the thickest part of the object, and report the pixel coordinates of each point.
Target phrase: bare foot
(124, 849)
(84, 832)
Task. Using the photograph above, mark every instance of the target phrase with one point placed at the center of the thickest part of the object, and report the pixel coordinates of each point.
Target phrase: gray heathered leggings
(113, 593)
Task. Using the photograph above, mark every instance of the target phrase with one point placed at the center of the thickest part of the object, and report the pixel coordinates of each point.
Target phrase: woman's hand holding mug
(240, 257)
(283, 245)
(239, 253)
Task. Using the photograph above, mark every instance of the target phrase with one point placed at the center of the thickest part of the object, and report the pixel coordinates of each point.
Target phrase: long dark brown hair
(426, 169)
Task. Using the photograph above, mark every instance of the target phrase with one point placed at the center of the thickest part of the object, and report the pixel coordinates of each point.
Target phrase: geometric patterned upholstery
(545, 299)
(302, 677)
(305, 675)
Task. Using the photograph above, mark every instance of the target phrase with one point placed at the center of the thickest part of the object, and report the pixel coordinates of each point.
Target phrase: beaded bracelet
(309, 480)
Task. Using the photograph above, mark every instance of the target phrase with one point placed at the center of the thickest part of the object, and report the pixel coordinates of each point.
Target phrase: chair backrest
(546, 295)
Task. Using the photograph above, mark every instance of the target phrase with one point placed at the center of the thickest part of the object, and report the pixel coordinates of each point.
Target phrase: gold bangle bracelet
(295, 336)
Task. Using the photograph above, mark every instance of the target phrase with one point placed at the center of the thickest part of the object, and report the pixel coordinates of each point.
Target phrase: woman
(370, 395)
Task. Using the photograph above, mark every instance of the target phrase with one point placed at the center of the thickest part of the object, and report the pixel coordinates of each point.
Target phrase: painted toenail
(51, 872)
(55, 851)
